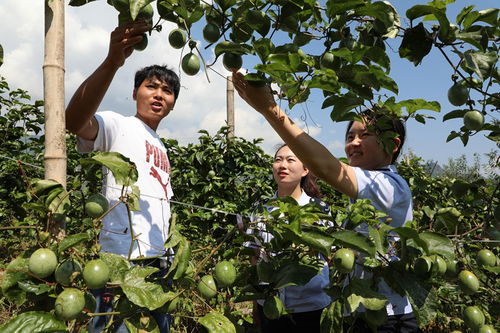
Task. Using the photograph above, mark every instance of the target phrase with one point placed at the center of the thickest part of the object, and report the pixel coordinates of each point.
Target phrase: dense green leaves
(34, 321)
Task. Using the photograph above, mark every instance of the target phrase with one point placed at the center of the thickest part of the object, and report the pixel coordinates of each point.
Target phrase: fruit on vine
(458, 94)
(171, 306)
(141, 46)
(69, 303)
(451, 268)
(66, 271)
(211, 174)
(487, 329)
(42, 262)
(273, 308)
(439, 264)
(473, 317)
(96, 274)
(422, 266)
(473, 120)
(225, 273)
(468, 282)
(220, 162)
(211, 33)
(327, 60)
(96, 205)
(343, 260)
(231, 61)
(207, 286)
(190, 64)
(486, 258)
(177, 38)
(376, 317)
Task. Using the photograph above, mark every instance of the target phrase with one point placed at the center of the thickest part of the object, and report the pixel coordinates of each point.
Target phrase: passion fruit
(69, 303)
(468, 282)
(211, 33)
(96, 274)
(473, 317)
(343, 260)
(190, 64)
(207, 286)
(473, 120)
(42, 262)
(177, 38)
(232, 62)
(486, 258)
(96, 205)
(225, 273)
(458, 94)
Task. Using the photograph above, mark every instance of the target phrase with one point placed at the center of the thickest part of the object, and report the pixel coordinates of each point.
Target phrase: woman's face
(287, 168)
(363, 149)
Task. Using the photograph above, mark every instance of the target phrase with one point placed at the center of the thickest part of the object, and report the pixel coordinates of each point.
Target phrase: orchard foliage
(450, 216)
(340, 48)
(343, 49)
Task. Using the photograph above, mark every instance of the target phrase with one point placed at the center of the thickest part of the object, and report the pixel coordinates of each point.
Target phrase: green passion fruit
(42, 262)
(190, 64)
(343, 260)
(232, 62)
(211, 33)
(96, 205)
(141, 46)
(468, 282)
(69, 303)
(66, 271)
(473, 120)
(225, 273)
(458, 94)
(207, 286)
(177, 38)
(486, 258)
(96, 274)
(473, 317)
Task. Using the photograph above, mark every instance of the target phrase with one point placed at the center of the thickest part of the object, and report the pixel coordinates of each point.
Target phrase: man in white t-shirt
(156, 88)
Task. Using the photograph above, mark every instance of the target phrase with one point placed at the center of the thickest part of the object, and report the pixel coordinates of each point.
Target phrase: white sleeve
(108, 122)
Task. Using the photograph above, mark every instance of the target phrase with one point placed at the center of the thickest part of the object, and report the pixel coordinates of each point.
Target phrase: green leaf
(1, 55)
(454, 114)
(463, 13)
(263, 47)
(342, 105)
(378, 237)
(332, 318)
(481, 63)
(33, 322)
(118, 266)
(236, 48)
(354, 240)
(16, 271)
(423, 298)
(449, 217)
(416, 44)
(144, 294)
(317, 240)
(181, 259)
(359, 292)
(294, 273)
(438, 244)
(216, 322)
(31, 287)
(413, 105)
(77, 3)
(123, 168)
(53, 195)
(136, 6)
(135, 324)
(71, 240)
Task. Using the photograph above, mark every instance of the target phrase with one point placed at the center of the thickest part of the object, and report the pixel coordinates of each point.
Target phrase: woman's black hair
(381, 123)
(308, 182)
(162, 73)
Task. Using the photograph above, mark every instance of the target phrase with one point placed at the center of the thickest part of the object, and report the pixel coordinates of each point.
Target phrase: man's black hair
(162, 73)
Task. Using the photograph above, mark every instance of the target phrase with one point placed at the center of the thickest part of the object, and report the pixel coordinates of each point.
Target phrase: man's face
(154, 100)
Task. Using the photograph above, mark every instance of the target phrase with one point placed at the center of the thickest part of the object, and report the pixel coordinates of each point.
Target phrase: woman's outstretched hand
(260, 98)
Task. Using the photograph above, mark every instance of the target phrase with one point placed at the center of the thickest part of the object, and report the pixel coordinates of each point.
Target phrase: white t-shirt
(132, 138)
(305, 298)
(388, 192)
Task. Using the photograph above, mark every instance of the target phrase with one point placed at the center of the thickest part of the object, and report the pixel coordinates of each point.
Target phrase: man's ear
(134, 94)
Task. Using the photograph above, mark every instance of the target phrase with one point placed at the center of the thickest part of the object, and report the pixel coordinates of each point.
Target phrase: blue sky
(202, 104)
